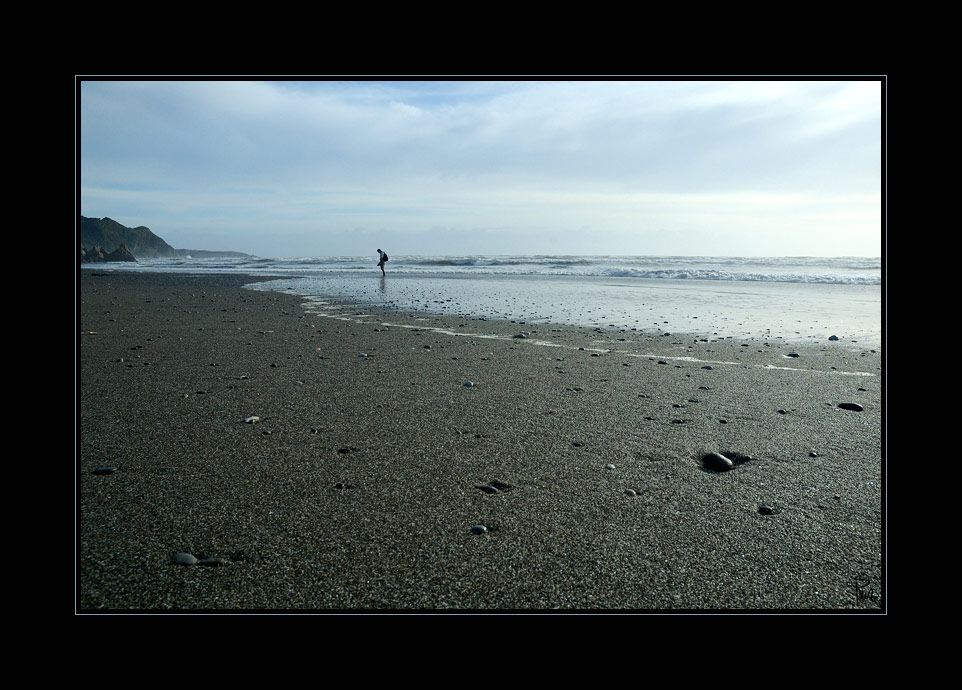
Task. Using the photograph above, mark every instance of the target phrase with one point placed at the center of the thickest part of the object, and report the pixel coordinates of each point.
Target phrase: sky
(719, 167)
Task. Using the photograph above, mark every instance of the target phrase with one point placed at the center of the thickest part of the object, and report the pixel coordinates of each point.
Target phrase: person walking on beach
(380, 264)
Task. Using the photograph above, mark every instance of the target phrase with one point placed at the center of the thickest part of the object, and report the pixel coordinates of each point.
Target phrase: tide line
(362, 318)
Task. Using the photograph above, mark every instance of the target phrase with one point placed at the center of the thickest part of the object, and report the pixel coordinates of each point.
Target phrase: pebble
(252, 420)
(833, 337)
(105, 470)
(609, 466)
(630, 492)
(855, 407)
(717, 462)
(767, 510)
(469, 384)
(181, 558)
(362, 354)
(479, 529)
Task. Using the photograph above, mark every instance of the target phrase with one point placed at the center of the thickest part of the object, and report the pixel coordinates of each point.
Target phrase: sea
(792, 299)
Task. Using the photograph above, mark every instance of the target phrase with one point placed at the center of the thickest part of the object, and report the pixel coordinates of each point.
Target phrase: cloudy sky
(313, 168)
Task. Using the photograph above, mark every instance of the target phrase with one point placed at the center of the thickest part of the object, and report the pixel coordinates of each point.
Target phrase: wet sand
(365, 481)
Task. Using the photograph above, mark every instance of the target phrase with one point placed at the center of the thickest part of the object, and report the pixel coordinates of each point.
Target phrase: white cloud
(627, 158)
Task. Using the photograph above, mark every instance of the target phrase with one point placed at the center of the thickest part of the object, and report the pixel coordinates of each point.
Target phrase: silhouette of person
(380, 264)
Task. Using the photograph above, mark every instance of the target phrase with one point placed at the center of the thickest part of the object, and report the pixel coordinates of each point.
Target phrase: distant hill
(142, 243)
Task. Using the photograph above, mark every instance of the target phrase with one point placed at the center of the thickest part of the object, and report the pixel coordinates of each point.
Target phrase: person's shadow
(383, 285)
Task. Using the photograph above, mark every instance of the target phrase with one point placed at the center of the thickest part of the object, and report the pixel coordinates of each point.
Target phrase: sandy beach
(338, 461)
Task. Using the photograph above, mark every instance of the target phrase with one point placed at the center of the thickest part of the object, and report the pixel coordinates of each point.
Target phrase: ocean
(793, 299)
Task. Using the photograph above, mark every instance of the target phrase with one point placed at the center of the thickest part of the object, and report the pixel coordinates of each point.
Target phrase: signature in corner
(861, 584)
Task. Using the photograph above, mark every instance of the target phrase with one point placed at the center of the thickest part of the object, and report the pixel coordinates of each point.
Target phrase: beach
(316, 456)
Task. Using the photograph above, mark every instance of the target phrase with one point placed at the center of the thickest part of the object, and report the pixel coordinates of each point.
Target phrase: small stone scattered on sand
(717, 462)
(479, 529)
(105, 470)
(855, 407)
(181, 558)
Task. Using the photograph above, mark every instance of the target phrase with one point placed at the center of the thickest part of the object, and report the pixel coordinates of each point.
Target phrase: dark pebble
(479, 529)
(717, 462)
(855, 407)
(105, 470)
(181, 558)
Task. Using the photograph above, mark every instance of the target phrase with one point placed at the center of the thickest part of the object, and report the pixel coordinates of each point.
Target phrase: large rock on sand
(98, 254)
(121, 253)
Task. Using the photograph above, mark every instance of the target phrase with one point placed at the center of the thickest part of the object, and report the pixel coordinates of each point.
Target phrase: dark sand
(359, 486)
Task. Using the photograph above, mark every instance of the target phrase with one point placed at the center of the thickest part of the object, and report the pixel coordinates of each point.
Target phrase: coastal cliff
(104, 239)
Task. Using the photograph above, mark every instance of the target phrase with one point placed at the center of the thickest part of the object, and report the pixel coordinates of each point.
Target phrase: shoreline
(580, 451)
(789, 312)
